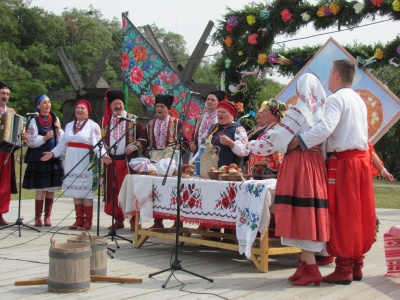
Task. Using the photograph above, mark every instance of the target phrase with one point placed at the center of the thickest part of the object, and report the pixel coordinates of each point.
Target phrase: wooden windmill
(91, 87)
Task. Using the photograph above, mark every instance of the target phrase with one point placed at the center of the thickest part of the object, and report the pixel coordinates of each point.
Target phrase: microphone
(34, 114)
(126, 119)
(194, 93)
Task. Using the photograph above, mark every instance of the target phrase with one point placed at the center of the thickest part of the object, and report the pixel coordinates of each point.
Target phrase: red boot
(357, 268)
(48, 206)
(299, 271)
(2, 221)
(118, 223)
(79, 217)
(158, 223)
(38, 212)
(88, 211)
(343, 273)
(310, 275)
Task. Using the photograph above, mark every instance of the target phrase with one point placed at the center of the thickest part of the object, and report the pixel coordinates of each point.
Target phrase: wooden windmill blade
(169, 58)
(197, 55)
(153, 41)
(71, 71)
(98, 70)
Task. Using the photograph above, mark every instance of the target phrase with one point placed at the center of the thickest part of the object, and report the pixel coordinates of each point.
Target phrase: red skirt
(301, 200)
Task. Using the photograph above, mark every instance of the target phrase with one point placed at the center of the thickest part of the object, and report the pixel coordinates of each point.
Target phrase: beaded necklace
(78, 127)
(45, 123)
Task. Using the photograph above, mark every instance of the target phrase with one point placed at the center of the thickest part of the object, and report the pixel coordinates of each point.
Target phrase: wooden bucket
(69, 267)
(98, 260)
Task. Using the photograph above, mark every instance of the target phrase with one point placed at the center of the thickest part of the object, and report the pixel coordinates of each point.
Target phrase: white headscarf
(312, 98)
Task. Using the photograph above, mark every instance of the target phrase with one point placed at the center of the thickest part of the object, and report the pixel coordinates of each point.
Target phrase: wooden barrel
(98, 260)
(69, 267)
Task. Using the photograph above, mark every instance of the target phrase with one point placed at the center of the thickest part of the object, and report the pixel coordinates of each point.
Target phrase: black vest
(34, 154)
(226, 156)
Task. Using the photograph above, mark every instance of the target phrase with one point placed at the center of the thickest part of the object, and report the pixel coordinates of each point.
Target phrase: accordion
(11, 128)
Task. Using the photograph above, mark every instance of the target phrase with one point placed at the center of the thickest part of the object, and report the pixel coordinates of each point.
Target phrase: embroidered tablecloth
(211, 202)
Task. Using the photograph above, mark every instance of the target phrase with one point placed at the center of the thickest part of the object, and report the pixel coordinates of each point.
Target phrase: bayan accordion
(11, 128)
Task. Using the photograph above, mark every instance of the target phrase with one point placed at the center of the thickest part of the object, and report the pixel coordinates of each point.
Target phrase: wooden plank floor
(235, 277)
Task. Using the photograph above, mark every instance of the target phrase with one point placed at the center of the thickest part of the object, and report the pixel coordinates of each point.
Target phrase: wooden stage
(234, 276)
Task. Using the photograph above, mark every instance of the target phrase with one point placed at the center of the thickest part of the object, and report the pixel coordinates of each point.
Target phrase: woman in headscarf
(301, 200)
(44, 132)
(269, 114)
(81, 135)
(228, 135)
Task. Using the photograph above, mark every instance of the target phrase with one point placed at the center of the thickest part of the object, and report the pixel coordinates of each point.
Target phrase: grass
(387, 195)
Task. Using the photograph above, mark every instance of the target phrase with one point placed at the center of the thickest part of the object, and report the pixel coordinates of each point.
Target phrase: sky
(189, 18)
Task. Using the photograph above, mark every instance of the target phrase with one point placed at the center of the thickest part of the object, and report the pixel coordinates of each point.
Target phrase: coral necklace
(45, 123)
(78, 127)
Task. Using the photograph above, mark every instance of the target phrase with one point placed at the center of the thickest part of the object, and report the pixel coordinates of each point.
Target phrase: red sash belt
(350, 153)
(331, 174)
(79, 145)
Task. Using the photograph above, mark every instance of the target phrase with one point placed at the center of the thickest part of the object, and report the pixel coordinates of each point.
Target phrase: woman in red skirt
(301, 201)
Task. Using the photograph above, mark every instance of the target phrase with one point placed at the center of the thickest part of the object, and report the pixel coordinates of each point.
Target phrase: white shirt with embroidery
(160, 132)
(34, 139)
(116, 134)
(206, 122)
(278, 137)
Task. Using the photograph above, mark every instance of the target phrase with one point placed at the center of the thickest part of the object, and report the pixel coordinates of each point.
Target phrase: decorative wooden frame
(383, 106)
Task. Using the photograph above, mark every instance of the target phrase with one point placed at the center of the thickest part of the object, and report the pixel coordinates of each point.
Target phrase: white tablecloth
(244, 205)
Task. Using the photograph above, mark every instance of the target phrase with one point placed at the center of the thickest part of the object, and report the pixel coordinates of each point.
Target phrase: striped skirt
(301, 200)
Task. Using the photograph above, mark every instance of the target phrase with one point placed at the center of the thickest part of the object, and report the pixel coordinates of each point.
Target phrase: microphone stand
(176, 263)
(98, 203)
(19, 222)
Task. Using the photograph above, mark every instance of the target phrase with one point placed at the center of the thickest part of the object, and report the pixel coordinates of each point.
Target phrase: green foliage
(28, 41)
(206, 73)
(268, 23)
(387, 147)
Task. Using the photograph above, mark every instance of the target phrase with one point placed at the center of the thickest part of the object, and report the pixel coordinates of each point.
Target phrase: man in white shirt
(350, 191)
(163, 132)
(129, 140)
(206, 119)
